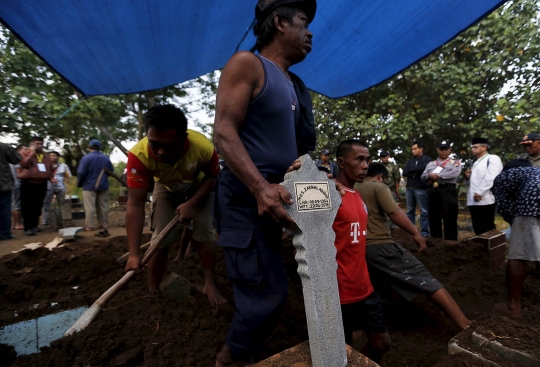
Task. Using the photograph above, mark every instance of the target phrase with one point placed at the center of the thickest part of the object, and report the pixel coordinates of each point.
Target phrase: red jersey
(350, 227)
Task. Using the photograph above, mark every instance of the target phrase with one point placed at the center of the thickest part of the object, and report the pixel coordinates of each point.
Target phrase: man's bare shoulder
(244, 59)
(243, 69)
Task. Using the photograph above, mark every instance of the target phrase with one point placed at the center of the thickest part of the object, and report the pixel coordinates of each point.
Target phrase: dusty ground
(143, 330)
(116, 228)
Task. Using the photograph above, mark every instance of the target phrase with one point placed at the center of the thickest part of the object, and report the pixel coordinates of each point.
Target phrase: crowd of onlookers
(30, 178)
(432, 185)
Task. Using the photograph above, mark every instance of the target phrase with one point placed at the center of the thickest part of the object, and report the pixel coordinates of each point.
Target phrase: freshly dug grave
(137, 329)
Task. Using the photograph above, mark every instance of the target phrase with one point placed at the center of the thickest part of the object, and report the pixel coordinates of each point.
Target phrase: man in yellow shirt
(184, 165)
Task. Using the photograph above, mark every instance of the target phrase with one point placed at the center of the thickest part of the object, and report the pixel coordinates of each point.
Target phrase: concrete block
(300, 356)
(480, 348)
(495, 245)
(69, 233)
(176, 287)
(513, 355)
(489, 240)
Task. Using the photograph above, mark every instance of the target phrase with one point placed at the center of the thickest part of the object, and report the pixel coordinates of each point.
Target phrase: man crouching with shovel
(184, 165)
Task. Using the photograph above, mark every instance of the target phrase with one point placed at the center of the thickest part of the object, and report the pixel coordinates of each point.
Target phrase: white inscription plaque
(312, 196)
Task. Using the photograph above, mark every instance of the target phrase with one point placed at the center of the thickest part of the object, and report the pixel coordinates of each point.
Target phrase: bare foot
(214, 296)
(225, 359)
(504, 309)
(357, 334)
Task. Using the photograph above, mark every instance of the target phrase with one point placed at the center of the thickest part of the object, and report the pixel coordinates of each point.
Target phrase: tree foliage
(485, 83)
(34, 99)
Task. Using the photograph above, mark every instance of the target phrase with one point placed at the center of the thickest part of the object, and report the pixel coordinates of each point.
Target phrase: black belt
(437, 185)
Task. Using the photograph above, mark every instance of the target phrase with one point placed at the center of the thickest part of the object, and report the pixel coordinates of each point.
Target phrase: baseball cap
(444, 144)
(528, 139)
(94, 143)
(324, 151)
(265, 7)
(384, 153)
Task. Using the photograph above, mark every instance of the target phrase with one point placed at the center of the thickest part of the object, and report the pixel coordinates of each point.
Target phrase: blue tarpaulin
(128, 46)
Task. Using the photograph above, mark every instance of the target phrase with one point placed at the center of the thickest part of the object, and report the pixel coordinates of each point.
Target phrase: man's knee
(379, 342)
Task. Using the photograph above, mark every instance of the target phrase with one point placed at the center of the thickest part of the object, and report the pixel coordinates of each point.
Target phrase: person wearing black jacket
(416, 189)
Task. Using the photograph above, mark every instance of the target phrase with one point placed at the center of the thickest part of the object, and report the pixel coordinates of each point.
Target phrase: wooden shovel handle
(122, 259)
(92, 312)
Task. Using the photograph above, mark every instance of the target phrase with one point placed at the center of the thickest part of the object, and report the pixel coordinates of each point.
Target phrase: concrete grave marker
(315, 205)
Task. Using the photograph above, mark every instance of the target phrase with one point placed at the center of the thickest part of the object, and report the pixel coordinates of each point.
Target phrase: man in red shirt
(360, 305)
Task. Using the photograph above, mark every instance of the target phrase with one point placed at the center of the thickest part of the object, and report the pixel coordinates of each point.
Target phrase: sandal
(87, 229)
(103, 233)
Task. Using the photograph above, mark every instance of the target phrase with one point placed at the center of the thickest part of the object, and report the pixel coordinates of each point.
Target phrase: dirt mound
(70, 276)
(137, 329)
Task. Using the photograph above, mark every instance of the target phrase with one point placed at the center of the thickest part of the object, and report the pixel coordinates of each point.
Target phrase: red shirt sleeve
(211, 169)
(138, 176)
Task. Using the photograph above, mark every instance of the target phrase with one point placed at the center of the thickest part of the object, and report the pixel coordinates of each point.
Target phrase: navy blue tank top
(269, 129)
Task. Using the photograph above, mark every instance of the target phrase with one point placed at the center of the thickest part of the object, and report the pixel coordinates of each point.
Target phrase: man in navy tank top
(263, 124)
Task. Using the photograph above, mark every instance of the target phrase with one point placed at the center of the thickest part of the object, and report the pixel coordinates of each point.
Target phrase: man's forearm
(25, 162)
(205, 187)
(237, 158)
(402, 221)
(134, 227)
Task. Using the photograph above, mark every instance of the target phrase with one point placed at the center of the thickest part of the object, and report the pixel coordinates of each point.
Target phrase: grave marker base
(300, 356)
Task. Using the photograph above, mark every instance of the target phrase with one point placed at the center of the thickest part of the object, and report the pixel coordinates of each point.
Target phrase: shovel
(92, 312)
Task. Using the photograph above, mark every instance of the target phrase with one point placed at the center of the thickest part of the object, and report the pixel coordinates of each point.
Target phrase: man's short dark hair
(266, 30)
(516, 163)
(36, 138)
(346, 146)
(420, 143)
(55, 152)
(20, 146)
(166, 117)
(376, 169)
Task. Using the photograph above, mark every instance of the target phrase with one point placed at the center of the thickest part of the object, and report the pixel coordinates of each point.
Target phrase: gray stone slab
(513, 355)
(69, 233)
(314, 208)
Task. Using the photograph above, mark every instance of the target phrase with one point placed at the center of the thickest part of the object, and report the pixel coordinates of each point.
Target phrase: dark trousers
(252, 247)
(32, 196)
(5, 215)
(483, 218)
(260, 289)
(443, 208)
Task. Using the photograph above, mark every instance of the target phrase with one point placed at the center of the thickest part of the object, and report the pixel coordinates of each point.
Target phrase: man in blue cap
(94, 181)
(531, 146)
(325, 164)
(263, 123)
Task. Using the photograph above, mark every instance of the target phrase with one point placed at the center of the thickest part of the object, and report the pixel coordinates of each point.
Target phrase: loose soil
(138, 329)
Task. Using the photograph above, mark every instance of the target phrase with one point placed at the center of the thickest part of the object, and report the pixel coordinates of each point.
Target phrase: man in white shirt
(480, 199)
